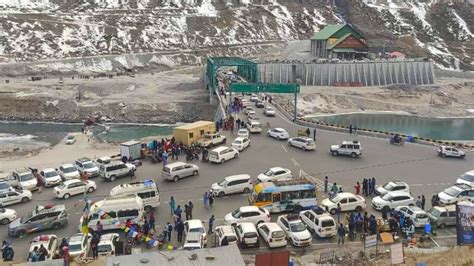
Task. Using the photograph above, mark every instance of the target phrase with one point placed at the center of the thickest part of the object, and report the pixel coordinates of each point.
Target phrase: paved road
(416, 164)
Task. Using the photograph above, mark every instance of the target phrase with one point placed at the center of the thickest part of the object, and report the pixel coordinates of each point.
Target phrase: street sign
(397, 253)
(370, 241)
(264, 87)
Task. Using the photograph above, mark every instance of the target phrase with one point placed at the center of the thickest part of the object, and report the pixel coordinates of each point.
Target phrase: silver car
(41, 218)
(178, 170)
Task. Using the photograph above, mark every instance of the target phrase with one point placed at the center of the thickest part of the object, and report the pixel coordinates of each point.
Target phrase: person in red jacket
(357, 188)
(66, 255)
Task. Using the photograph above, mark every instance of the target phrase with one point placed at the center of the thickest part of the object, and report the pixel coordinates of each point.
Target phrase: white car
(223, 154)
(7, 215)
(23, 178)
(49, 242)
(193, 241)
(249, 110)
(247, 235)
(418, 216)
(323, 225)
(240, 144)
(303, 143)
(12, 196)
(232, 184)
(253, 98)
(79, 245)
(347, 148)
(466, 178)
(295, 230)
(447, 151)
(69, 171)
(243, 133)
(347, 201)
(392, 186)
(392, 200)
(106, 246)
(101, 161)
(50, 177)
(269, 111)
(195, 226)
(87, 166)
(274, 174)
(251, 214)
(278, 133)
(74, 187)
(453, 194)
(225, 231)
(272, 234)
(70, 140)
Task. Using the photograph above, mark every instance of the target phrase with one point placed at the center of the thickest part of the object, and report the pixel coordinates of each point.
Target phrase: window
(232, 183)
(352, 200)
(285, 223)
(128, 213)
(327, 223)
(201, 132)
(190, 135)
(343, 146)
(262, 197)
(264, 229)
(276, 197)
(12, 194)
(343, 201)
(316, 220)
(451, 214)
(109, 214)
(3, 196)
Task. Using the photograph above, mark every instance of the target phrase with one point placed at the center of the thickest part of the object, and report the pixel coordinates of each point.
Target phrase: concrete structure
(339, 41)
(373, 73)
(190, 133)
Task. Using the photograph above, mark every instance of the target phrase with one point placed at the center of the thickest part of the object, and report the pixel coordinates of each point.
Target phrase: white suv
(347, 148)
(347, 201)
(466, 178)
(87, 166)
(392, 200)
(278, 133)
(252, 214)
(303, 143)
(232, 184)
(272, 234)
(447, 151)
(79, 245)
(50, 177)
(247, 235)
(456, 193)
(418, 216)
(274, 174)
(225, 231)
(322, 225)
(112, 170)
(295, 230)
(223, 154)
(240, 143)
(392, 186)
(68, 171)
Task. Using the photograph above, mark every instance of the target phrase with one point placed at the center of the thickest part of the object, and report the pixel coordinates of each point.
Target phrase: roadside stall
(190, 133)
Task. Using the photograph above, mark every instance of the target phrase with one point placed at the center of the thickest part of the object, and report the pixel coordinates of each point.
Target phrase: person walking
(352, 230)
(341, 233)
(211, 223)
(169, 229)
(180, 230)
(205, 199)
(211, 198)
(190, 206)
(326, 181)
(308, 132)
(364, 187)
(66, 256)
(132, 174)
(357, 188)
(372, 186)
(314, 134)
(172, 204)
(99, 228)
(178, 212)
(186, 211)
(423, 201)
(338, 212)
(94, 247)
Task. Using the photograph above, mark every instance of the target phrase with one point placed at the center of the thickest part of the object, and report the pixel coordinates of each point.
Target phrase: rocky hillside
(49, 29)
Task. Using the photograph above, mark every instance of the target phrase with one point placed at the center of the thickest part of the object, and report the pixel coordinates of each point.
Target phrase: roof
(327, 32)
(339, 40)
(277, 168)
(272, 226)
(76, 237)
(351, 142)
(226, 229)
(248, 208)
(343, 50)
(345, 194)
(226, 255)
(221, 148)
(171, 165)
(47, 170)
(67, 165)
(234, 177)
(247, 226)
(108, 237)
(196, 124)
(23, 170)
(195, 223)
(130, 143)
(280, 129)
(398, 193)
(72, 181)
(462, 186)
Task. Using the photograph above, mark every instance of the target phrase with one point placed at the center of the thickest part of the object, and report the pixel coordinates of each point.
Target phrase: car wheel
(353, 155)
(90, 190)
(175, 178)
(333, 211)
(56, 226)
(236, 156)
(462, 156)
(289, 143)
(222, 161)
(113, 178)
(442, 226)
(5, 221)
(20, 233)
(25, 199)
(335, 153)
(196, 172)
(66, 196)
(358, 208)
(221, 194)
(246, 190)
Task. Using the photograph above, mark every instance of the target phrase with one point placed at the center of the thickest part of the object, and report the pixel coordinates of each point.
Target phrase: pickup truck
(211, 140)
(322, 224)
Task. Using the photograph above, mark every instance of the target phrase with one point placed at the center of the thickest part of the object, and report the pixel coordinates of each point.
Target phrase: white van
(116, 209)
(222, 154)
(147, 190)
(254, 126)
(232, 184)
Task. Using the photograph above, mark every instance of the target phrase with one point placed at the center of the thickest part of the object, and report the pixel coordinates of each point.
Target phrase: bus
(281, 196)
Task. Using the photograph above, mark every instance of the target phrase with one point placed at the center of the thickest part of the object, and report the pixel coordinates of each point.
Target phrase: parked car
(70, 140)
(274, 174)
(7, 215)
(252, 214)
(87, 166)
(347, 201)
(347, 148)
(259, 104)
(272, 234)
(418, 216)
(49, 242)
(295, 230)
(79, 245)
(243, 133)
(392, 200)
(466, 178)
(195, 226)
(74, 187)
(102, 161)
(303, 143)
(223, 154)
(211, 139)
(113, 170)
(225, 231)
(443, 216)
(254, 126)
(253, 98)
(392, 186)
(23, 178)
(68, 171)
(178, 170)
(249, 110)
(40, 218)
(13, 196)
(323, 225)
(193, 241)
(453, 194)
(232, 184)
(107, 243)
(50, 177)
(269, 111)
(247, 235)
(447, 151)
(278, 133)
(240, 144)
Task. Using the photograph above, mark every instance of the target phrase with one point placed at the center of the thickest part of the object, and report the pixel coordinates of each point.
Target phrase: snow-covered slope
(43, 29)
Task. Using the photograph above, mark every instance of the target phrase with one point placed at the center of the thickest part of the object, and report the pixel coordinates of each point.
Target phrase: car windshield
(297, 227)
(269, 109)
(69, 169)
(434, 212)
(387, 197)
(451, 192)
(62, 186)
(197, 230)
(335, 199)
(388, 186)
(26, 217)
(243, 131)
(74, 247)
(104, 248)
(26, 177)
(237, 141)
(88, 165)
(70, 137)
(222, 182)
(467, 177)
(236, 214)
(278, 234)
(50, 174)
(421, 216)
(268, 172)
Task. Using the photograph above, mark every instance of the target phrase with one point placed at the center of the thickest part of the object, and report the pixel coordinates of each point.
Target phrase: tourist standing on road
(308, 132)
(180, 230)
(211, 198)
(132, 174)
(178, 212)
(169, 229)
(314, 134)
(99, 228)
(357, 188)
(373, 225)
(151, 220)
(338, 212)
(191, 206)
(434, 200)
(351, 230)
(34, 255)
(350, 129)
(172, 205)
(211, 223)
(205, 199)
(334, 188)
(418, 202)
(341, 233)
(364, 187)
(94, 246)
(186, 211)
(237, 122)
(326, 181)
(372, 186)
(423, 201)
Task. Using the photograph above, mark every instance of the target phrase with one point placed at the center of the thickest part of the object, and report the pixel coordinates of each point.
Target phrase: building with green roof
(339, 41)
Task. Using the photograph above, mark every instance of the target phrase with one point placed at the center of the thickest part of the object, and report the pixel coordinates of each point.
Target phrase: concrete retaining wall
(374, 73)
